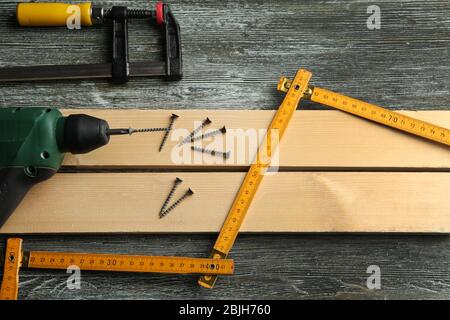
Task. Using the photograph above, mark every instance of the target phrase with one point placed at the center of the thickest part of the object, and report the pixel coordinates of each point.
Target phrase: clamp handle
(57, 14)
(174, 61)
(51, 14)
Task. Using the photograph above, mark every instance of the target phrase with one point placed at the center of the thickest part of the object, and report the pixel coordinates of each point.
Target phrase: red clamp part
(159, 12)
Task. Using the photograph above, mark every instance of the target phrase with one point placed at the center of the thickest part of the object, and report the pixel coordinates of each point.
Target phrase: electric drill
(33, 142)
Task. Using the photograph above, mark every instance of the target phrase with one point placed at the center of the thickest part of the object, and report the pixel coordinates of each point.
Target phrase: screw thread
(171, 193)
(149, 130)
(164, 140)
(225, 155)
(196, 130)
(177, 203)
(133, 14)
(209, 134)
(140, 13)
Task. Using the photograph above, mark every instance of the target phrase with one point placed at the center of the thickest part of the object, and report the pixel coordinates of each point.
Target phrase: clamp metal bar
(120, 68)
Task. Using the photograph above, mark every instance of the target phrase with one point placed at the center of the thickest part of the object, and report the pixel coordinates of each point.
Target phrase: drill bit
(130, 131)
(177, 203)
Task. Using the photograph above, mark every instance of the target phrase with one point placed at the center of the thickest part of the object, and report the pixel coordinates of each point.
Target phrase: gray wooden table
(234, 53)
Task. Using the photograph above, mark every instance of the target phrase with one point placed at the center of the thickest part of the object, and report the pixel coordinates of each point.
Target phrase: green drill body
(29, 138)
(33, 142)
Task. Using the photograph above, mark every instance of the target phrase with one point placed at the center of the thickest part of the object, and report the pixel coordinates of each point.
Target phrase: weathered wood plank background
(234, 52)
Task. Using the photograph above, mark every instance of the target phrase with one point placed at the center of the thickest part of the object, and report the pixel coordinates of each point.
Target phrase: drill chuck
(33, 142)
(83, 134)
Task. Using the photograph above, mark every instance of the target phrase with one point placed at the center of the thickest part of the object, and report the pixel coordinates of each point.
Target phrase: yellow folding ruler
(373, 113)
(295, 90)
(16, 258)
(248, 189)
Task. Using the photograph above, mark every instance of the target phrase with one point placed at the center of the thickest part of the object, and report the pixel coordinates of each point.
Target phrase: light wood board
(235, 62)
(314, 139)
(286, 202)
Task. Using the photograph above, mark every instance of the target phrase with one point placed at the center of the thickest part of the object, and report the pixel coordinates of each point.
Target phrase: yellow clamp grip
(52, 14)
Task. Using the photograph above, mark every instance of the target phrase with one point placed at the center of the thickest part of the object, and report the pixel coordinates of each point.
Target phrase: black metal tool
(120, 68)
(33, 142)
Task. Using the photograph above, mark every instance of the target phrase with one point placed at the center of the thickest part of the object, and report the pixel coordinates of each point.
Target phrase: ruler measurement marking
(101, 262)
(378, 114)
(9, 288)
(254, 176)
(125, 263)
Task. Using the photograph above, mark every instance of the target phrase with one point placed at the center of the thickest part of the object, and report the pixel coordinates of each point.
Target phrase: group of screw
(192, 137)
(164, 210)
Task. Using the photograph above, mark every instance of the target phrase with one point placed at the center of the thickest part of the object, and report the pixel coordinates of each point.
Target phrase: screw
(132, 13)
(164, 140)
(177, 203)
(225, 155)
(169, 197)
(205, 122)
(210, 134)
